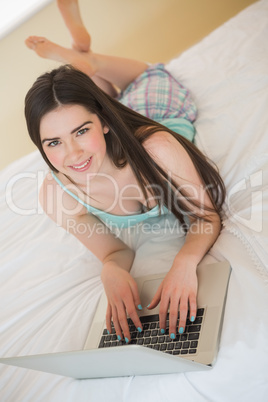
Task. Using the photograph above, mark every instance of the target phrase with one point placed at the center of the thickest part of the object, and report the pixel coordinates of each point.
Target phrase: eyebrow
(72, 132)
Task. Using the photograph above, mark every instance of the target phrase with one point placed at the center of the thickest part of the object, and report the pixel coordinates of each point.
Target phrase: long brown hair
(128, 130)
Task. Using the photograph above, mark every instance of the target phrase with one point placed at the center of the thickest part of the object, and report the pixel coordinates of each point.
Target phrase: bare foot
(70, 12)
(49, 50)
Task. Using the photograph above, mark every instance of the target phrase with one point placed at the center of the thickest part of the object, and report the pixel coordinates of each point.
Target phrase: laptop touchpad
(148, 290)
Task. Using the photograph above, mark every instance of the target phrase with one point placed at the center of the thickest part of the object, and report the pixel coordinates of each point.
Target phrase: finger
(156, 299)
(193, 306)
(136, 296)
(163, 309)
(132, 313)
(173, 317)
(183, 314)
(122, 318)
(117, 325)
(109, 318)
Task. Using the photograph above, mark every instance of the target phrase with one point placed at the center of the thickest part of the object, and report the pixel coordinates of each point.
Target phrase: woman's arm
(116, 256)
(179, 287)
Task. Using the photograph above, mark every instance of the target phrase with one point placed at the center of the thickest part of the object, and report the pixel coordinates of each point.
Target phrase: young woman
(112, 167)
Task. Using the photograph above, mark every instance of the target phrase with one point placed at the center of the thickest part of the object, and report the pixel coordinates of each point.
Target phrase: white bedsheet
(50, 284)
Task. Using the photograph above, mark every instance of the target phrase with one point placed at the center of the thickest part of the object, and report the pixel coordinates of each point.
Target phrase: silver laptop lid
(139, 360)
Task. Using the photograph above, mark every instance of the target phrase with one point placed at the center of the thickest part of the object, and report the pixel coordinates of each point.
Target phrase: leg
(70, 12)
(118, 70)
(107, 71)
(115, 70)
(49, 50)
(106, 86)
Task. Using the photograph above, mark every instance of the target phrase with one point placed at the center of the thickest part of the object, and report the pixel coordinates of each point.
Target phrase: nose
(73, 152)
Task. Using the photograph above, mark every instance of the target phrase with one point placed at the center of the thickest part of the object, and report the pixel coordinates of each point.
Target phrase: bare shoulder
(168, 153)
(173, 158)
(163, 143)
(56, 202)
(160, 138)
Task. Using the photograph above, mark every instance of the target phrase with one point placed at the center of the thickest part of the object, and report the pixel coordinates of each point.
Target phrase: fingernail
(108, 332)
(119, 337)
(126, 339)
(181, 330)
(172, 336)
(162, 331)
(192, 318)
(148, 305)
(140, 307)
(139, 329)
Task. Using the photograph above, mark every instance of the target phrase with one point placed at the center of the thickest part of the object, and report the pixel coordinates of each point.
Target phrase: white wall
(152, 30)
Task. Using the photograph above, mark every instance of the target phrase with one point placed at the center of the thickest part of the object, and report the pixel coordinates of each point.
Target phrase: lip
(87, 164)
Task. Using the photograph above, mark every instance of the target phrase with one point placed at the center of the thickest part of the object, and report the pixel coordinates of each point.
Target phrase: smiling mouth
(83, 166)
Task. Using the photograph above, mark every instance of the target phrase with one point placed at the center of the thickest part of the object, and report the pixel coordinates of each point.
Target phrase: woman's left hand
(176, 292)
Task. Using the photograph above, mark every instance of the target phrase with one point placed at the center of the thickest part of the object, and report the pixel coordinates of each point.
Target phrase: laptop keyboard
(151, 336)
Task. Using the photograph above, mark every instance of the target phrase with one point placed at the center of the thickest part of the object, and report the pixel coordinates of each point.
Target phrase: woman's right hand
(123, 298)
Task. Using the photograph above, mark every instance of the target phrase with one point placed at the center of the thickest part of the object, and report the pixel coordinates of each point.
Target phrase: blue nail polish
(148, 305)
(172, 336)
(181, 330)
(108, 332)
(139, 329)
(119, 337)
(192, 318)
(126, 339)
(140, 307)
(162, 331)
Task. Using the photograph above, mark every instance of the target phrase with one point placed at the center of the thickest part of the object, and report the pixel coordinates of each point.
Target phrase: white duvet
(50, 284)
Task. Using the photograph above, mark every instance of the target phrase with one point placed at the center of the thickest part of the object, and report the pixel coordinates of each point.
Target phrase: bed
(50, 284)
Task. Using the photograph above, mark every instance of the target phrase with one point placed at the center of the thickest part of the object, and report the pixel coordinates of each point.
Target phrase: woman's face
(73, 141)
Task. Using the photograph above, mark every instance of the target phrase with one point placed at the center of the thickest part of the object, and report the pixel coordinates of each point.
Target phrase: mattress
(50, 284)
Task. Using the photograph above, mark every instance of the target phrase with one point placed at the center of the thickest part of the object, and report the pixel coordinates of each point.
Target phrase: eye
(53, 143)
(82, 131)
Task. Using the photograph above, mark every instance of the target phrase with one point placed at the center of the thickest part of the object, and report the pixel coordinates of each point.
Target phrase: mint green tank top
(111, 220)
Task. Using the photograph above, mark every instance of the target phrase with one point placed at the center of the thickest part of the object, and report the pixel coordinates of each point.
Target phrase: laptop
(149, 352)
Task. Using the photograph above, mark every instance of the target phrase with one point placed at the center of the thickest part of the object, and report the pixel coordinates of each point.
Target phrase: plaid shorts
(159, 96)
